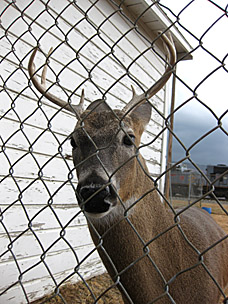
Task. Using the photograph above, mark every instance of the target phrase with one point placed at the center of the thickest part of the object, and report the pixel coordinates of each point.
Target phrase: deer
(153, 254)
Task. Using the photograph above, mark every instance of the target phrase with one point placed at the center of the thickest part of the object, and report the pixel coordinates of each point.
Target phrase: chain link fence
(104, 47)
(189, 184)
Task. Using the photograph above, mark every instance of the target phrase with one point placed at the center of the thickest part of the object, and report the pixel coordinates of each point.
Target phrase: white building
(42, 238)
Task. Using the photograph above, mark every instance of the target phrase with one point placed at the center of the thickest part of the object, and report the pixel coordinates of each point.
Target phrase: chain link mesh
(44, 238)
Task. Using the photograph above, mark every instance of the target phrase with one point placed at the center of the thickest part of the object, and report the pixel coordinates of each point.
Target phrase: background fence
(189, 183)
(104, 47)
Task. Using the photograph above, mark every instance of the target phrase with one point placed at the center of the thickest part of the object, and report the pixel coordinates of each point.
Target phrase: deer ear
(98, 105)
(142, 113)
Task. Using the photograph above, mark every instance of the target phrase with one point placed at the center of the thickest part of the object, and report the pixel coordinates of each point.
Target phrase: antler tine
(41, 87)
(171, 53)
(44, 71)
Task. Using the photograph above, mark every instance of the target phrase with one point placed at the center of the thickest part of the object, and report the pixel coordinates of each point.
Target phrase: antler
(134, 102)
(139, 99)
(41, 87)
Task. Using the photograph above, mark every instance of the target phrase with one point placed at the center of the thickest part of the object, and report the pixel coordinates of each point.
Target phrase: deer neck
(127, 239)
(148, 216)
(124, 242)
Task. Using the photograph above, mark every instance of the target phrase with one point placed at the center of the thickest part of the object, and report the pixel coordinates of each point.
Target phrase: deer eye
(73, 143)
(129, 140)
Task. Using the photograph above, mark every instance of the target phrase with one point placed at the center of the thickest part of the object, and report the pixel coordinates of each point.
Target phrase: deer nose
(95, 198)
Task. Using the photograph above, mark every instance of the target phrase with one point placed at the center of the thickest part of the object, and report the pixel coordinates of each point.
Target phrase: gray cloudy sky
(189, 127)
(193, 120)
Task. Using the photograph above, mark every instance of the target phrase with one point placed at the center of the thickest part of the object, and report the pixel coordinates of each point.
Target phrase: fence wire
(104, 47)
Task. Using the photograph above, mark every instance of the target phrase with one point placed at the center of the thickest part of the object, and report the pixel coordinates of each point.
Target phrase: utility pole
(170, 136)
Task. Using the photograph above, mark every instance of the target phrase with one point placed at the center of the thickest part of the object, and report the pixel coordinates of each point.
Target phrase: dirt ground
(80, 294)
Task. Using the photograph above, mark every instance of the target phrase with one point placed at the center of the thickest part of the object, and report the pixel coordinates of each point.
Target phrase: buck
(153, 254)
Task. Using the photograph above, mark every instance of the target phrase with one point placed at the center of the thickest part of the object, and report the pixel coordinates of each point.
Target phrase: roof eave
(154, 19)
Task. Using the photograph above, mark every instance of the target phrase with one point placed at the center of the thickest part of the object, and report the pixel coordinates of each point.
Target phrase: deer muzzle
(96, 198)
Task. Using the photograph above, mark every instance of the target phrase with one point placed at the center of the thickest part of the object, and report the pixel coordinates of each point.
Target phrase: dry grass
(79, 293)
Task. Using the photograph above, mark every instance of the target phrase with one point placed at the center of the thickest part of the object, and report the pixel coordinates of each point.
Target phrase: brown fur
(170, 252)
(183, 277)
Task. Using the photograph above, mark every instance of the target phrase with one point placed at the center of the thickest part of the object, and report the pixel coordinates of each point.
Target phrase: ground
(79, 293)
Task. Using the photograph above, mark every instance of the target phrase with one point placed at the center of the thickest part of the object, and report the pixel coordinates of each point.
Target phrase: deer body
(171, 255)
(151, 253)
(121, 243)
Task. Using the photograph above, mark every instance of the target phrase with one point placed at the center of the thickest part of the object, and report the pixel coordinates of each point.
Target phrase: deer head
(105, 144)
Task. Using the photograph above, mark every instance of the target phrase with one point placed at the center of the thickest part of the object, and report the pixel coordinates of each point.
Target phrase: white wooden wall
(35, 189)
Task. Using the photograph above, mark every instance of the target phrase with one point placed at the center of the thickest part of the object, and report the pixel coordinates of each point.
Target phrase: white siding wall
(35, 189)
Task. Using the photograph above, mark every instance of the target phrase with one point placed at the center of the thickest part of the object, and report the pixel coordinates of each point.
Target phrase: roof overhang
(153, 19)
